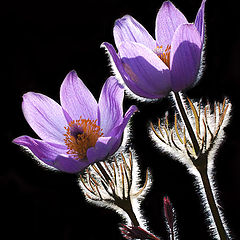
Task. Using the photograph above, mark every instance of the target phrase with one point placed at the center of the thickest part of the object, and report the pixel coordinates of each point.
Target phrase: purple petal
(117, 132)
(167, 21)
(46, 152)
(199, 21)
(76, 99)
(145, 68)
(129, 29)
(185, 56)
(129, 82)
(101, 150)
(45, 116)
(67, 164)
(110, 105)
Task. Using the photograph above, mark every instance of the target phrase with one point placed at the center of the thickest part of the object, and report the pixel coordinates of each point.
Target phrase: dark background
(42, 42)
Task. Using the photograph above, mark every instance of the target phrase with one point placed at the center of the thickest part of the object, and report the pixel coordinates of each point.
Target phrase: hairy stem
(201, 165)
(211, 201)
(124, 204)
(187, 123)
(172, 234)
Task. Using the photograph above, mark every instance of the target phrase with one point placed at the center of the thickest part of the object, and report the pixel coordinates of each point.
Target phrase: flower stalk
(202, 169)
(187, 123)
(201, 165)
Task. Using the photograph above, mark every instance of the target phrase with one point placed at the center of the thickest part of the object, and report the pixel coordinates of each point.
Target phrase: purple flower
(152, 68)
(81, 131)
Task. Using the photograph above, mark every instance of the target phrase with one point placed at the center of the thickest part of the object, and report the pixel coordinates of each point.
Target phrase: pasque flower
(78, 132)
(152, 68)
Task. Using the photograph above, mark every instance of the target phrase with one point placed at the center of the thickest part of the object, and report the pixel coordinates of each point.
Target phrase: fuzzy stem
(124, 204)
(172, 234)
(201, 165)
(129, 210)
(211, 201)
(187, 123)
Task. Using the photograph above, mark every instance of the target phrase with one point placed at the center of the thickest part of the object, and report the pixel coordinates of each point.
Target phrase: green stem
(187, 123)
(201, 165)
(211, 201)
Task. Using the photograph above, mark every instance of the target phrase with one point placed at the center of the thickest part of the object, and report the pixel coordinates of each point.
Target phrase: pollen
(164, 55)
(80, 136)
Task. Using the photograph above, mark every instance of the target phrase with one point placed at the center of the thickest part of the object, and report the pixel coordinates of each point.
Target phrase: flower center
(80, 136)
(164, 55)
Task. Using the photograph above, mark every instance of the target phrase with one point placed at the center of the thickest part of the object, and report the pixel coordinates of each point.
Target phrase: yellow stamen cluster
(80, 136)
(164, 55)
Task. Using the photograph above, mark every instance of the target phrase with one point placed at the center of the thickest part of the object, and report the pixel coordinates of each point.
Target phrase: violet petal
(45, 116)
(117, 132)
(199, 21)
(110, 109)
(128, 81)
(145, 68)
(185, 56)
(67, 164)
(167, 21)
(129, 29)
(45, 151)
(76, 99)
(101, 149)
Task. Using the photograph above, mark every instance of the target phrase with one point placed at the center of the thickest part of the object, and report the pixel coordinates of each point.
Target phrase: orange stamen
(164, 55)
(80, 136)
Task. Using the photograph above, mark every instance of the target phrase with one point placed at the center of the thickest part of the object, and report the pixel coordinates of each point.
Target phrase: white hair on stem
(208, 126)
(122, 186)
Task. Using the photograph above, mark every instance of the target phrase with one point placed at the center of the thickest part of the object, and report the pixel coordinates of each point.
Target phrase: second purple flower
(152, 68)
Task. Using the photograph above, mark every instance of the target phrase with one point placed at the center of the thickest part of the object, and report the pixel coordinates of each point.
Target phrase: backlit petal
(126, 78)
(199, 21)
(167, 21)
(67, 164)
(76, 99)
(45, 116)
(129, 29)
(46, 152)
(185, 56)
(110, 110)
(101, 150)
(145, 68)
(118, 131)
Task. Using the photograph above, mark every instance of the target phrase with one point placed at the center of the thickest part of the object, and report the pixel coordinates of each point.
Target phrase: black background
(42, 42)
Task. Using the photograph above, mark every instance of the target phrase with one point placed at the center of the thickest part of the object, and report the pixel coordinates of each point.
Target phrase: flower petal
(167, 21)
(144, 67)
(199, 21)
(110, 109)
(117, 132)
(45, 116)
(185, 56)
(76, 99)
(126, 78)
(52, 154)
(67, 164)
(129, 29)
(101, 149)
(46, 152)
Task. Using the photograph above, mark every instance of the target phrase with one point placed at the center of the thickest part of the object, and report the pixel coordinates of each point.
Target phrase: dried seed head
(208, 124)
(114, 184)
